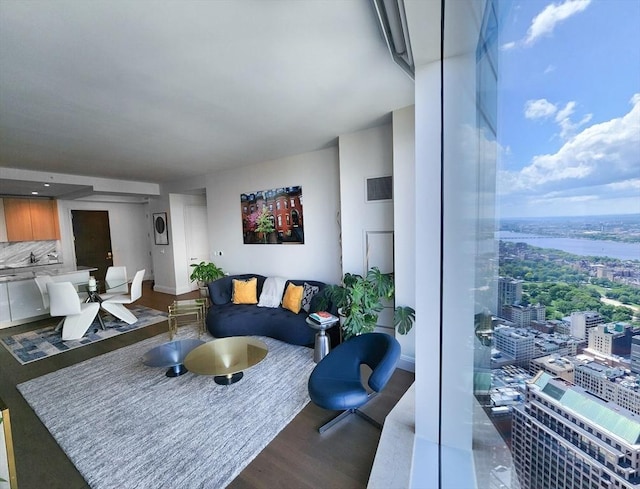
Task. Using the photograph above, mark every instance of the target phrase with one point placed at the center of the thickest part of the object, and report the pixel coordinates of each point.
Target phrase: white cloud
(549, 69)
(603, 155)
(539, 109)
(508, 46)
(563, 118)
(546, 21)
(632, 184)
(543, 109)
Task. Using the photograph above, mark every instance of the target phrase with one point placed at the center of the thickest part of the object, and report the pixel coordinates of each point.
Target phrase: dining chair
(42, 281)
(78, 316)
(116, 305)
(115, 282)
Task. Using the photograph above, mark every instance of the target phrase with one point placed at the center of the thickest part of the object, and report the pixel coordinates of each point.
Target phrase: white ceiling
(156, 91)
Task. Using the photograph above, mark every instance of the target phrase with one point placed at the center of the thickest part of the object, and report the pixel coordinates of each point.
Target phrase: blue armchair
(336, 384)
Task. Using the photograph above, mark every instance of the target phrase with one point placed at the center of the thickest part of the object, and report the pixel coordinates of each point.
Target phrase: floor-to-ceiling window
(565, 135)
(528, 175)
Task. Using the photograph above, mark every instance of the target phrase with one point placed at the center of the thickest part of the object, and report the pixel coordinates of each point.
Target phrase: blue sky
(569, 108)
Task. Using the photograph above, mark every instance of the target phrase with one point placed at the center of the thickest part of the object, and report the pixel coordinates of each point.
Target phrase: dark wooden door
(92, 237)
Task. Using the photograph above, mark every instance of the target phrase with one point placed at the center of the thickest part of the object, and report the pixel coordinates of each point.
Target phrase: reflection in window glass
(557, 360)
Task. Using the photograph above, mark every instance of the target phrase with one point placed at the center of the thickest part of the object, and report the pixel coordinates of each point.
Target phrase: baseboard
(407, 363)
(164, 290)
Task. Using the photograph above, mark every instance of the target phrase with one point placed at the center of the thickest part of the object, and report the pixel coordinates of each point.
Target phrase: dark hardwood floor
(299, 457)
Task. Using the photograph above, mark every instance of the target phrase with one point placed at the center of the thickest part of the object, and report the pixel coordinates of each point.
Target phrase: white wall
(162, 255)
(319, 257)
(404, 215)
(363, 154)
(179, 238)
(130, 228)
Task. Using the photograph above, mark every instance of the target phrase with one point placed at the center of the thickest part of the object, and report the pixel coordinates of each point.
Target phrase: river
(576, 246)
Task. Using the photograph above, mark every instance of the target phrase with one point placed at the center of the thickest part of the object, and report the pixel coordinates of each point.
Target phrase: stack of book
(322, 317)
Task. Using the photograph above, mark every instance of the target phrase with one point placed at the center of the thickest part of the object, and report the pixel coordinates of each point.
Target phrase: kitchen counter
(20, 298)
(26, 273)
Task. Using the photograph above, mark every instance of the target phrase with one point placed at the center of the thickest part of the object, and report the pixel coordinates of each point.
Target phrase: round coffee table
(226, 358)
(171, 355)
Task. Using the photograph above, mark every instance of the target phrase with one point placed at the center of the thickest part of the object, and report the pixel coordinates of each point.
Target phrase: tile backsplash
(15, 255)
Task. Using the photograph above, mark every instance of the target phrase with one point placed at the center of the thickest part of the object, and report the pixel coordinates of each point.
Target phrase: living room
(333, 182)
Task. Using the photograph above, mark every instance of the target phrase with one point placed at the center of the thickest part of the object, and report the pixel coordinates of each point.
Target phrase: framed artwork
(8, 478)
(160, 228)
(272, 216)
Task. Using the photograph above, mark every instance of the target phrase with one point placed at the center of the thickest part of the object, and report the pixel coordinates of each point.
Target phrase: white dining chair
(78, 316)
(42, 281)
(115, 282)
(115, 305)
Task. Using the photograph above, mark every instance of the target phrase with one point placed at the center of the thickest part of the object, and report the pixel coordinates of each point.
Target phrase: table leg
(321, 346)
(100, 320)
(176, 371)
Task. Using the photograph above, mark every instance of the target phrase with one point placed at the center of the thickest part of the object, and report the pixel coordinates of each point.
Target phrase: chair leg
(335, 420)
(344, 414)
(119, 311)
(76, 325)
(59, 325)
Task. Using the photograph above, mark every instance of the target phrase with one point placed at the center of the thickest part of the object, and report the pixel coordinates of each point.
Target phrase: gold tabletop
(226, 356)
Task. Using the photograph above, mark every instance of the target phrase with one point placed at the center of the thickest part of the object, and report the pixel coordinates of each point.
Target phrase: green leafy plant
(403, 318)
(205, 272)
(360, 299)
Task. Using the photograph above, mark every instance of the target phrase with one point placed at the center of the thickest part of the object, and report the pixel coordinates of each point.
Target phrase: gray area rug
(42, 343)
(125, 425)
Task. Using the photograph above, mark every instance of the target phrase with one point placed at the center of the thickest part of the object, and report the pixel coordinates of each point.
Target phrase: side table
(322, 344)
(191, 307)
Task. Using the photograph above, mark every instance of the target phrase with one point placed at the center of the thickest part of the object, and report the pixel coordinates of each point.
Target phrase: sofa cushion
(245, 291)
(313, 307)
(249, 320)
(307, 295)
(220, 290)
(293, 298)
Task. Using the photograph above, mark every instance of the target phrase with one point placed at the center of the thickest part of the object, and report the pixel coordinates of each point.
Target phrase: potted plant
(203, 273)
(360, 299)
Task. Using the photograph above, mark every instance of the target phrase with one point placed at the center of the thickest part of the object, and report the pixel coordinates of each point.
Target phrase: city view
(565, 356)
(563, 385)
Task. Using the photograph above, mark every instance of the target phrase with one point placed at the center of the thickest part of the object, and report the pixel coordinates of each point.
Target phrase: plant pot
(204, 290)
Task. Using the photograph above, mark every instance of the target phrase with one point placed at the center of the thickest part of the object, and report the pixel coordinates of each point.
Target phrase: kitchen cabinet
(44, 219)
(3, 225)
(5, 314)
(31, 219)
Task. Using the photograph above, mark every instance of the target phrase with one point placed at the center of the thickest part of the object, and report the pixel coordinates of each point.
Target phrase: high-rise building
(635, 354)
(563, 437)
(583, 320)
(509, 293)
(610, 383)
(516, 343)
(522, 316)
(611, 339)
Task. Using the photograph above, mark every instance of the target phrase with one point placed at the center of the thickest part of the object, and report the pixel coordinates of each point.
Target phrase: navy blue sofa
(228, 319)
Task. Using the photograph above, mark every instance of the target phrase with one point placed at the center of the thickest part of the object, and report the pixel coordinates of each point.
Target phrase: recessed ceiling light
(34, 193)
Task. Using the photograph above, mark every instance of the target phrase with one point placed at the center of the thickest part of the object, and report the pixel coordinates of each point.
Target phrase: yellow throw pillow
(245, 291)
(293, 298)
